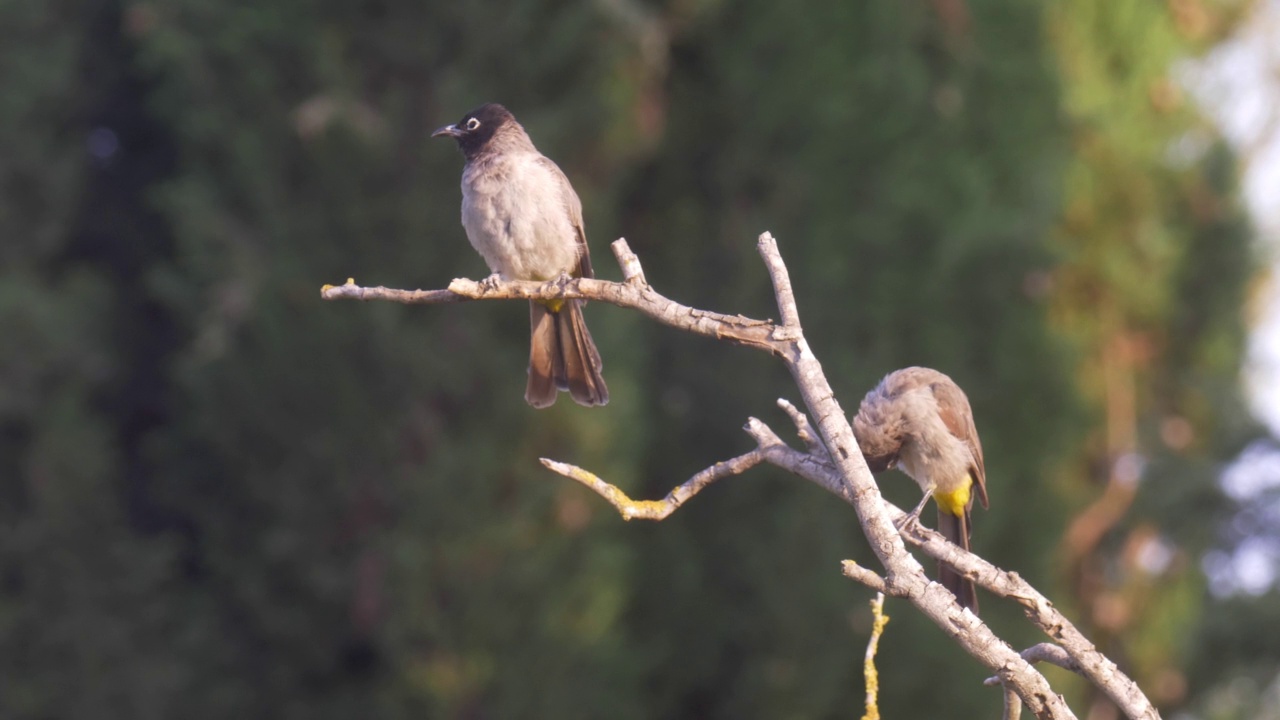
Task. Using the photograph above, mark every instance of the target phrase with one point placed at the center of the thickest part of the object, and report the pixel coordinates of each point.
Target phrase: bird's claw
(907, 522)
(490, 283)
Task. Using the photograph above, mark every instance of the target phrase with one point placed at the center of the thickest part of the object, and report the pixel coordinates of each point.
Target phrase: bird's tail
(956, 528)
(562, 356)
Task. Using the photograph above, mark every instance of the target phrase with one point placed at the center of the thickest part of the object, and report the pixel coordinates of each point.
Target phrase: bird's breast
(516, 218)
(936, 458)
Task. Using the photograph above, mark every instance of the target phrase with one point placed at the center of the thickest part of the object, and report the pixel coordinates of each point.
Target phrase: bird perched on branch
(522, 215)
(919, 421)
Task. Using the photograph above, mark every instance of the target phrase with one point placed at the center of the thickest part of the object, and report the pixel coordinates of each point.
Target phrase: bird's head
(478, 129)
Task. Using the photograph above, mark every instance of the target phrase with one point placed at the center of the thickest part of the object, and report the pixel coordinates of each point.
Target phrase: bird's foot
(560, 283)
(908, 522)
(491, 283)
(911, 520)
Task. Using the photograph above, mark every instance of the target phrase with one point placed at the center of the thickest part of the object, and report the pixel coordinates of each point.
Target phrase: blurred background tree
(222, 498)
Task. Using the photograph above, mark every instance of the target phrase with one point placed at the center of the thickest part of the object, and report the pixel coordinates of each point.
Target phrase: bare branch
(350, 291)
(631, 271)
(769, 448)
(904, 576)
(832, 460)
(866, 576)
(657, 509)
(1012, 705)
(1089, 661)
(637, 296)
(816, 468)
(768, 248)
(804, 430)
(1043, 652)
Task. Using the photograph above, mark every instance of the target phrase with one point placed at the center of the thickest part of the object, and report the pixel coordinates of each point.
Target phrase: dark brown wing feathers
(579, 357)
(953, 408)
(572, 204)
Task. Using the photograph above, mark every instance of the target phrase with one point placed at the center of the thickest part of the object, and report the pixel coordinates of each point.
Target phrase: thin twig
(350, 291)
(869, 660)
(1043, 652)
(866, 576)
(781, 279)
(657, 509)
(804, 430)
(632, 272)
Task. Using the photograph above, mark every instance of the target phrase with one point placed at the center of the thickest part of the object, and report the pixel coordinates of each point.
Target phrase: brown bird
(522, 215)
(919, 421)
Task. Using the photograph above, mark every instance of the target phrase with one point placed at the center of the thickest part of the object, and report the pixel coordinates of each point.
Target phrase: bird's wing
(574, 207)
(953, 408)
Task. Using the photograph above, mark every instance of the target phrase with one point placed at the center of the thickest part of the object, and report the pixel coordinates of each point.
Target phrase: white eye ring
(472, 124)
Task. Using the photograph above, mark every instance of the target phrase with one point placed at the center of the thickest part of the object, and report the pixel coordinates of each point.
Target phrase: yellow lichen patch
(869, 671)
(652, 509)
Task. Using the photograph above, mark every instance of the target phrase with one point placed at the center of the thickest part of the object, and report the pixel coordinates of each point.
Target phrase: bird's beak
(450, 130)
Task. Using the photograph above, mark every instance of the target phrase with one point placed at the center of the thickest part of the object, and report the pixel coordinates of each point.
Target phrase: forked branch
(832, 460)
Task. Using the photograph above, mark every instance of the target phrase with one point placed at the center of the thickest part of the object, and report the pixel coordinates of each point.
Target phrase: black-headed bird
(522, 215)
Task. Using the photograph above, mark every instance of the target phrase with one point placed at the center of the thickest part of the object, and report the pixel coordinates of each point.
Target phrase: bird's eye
(472, 124)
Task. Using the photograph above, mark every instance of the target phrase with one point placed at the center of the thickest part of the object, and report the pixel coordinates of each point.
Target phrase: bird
(522, 215)
(919, 421)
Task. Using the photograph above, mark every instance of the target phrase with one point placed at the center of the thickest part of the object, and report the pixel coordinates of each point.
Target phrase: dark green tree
(224, 498)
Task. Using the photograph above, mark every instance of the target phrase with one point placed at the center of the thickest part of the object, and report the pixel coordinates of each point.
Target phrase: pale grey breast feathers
(522, 215)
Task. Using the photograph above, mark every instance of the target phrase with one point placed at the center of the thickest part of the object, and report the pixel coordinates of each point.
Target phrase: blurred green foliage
(222, 497)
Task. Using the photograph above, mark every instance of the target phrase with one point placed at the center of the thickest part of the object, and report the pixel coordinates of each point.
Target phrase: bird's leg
(913, 517)
(490, 283)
